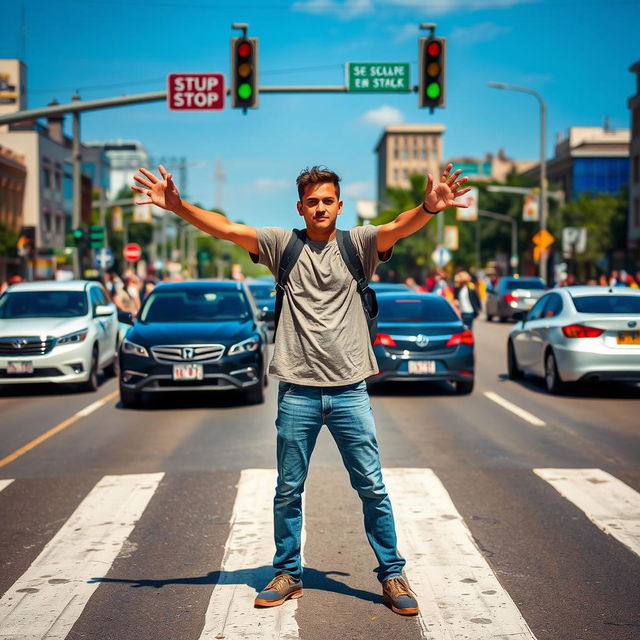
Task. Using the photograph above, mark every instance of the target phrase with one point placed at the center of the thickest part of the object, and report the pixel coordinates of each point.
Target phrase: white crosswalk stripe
(457, 590)
(49, 597)
(4, 484)
(608, 502)
(231, 614)
(454, 582)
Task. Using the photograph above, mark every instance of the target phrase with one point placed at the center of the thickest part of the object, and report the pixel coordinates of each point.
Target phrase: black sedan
(198, 335)
(264, 292)
(421, 337)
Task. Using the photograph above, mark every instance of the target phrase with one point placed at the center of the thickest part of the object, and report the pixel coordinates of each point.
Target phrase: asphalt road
(155, 523)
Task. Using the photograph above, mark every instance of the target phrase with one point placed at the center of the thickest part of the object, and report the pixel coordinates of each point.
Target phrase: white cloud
(341, 9)
(271, 184)
(358, 190)
(407, 32)
(440, 7)
(383, 116)
(482, 32)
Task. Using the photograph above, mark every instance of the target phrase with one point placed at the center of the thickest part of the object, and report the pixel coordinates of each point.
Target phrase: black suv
(197, 335)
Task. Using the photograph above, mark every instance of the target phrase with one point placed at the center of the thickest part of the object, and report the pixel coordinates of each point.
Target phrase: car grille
(188, 353)
(29, 346)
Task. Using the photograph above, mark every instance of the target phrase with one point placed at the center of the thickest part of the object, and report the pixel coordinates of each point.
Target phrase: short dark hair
(317, 175)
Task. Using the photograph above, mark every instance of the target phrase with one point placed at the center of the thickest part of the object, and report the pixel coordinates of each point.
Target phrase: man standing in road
(322, 356)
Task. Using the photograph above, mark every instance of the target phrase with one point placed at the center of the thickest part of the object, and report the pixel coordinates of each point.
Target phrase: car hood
(25, 327)
(190, 332)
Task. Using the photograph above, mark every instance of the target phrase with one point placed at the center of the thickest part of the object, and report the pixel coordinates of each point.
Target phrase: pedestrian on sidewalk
(467, 299)
(322, 357)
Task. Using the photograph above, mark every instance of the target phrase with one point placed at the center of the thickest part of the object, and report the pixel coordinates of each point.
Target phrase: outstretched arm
(163, 193)
(436, 199)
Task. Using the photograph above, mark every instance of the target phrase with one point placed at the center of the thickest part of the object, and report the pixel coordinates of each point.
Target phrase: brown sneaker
(281, 588)
(398, 593)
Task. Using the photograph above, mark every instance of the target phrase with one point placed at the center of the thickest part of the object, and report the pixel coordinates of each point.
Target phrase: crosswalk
(460, 595)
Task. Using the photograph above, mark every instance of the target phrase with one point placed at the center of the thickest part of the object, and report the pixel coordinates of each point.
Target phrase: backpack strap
(351, 259)
(288, 259)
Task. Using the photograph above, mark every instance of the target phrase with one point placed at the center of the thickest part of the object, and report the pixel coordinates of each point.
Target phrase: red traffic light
(434, 49)
(244, 49)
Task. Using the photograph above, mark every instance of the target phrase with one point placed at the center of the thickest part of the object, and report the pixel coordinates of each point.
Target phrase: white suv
(62, 332)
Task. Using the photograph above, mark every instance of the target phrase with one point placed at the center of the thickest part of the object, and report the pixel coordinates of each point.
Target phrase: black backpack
(351, 259)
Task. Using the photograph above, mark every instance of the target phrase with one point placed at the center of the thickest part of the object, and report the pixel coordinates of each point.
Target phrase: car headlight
(245, 346)
(134, 349)
(70, 338)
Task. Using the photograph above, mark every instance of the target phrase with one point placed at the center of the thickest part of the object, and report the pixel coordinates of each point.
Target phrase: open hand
(443, 195)
(163, 193)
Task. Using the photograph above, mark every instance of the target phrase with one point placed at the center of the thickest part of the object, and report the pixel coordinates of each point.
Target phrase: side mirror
(519, 316)
(102, 310)
(125, 317)
(266, 314)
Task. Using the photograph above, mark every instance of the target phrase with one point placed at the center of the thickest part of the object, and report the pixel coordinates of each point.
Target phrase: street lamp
(543, 161)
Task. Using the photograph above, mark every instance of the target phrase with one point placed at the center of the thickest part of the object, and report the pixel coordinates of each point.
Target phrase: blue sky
(575, 52)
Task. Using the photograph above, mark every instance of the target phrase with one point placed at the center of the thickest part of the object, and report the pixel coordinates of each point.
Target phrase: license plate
(188, 372)
(422, 366)
(20, 366)
(629, 337)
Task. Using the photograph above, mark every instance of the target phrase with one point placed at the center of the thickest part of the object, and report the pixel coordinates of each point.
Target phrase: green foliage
(8, 240)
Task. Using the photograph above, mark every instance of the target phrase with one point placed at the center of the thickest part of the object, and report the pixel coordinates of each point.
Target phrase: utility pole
(76, 215)
(219, 178)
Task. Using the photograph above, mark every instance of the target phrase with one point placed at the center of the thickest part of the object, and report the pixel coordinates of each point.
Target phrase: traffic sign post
(377, 76)
(441, 256)
(104, 258)
(132, 252)
(195, 91)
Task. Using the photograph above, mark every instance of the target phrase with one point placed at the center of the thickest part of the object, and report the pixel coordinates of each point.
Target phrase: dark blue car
(421, 337)
(199, 335)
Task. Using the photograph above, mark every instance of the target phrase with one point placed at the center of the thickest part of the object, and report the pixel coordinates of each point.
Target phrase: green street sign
(377, 76)
(96, 236)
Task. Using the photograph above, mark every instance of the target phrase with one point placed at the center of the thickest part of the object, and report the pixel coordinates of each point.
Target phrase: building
(406, 149)
(47, 158)
(589, 160)
(633, 237)
(491, 168)
(13, 176)
(123, 159)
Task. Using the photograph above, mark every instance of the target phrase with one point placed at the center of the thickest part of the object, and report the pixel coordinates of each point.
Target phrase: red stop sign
(132, 252)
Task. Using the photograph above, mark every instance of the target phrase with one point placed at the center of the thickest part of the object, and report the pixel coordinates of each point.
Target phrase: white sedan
(61, 332)
(578, 334)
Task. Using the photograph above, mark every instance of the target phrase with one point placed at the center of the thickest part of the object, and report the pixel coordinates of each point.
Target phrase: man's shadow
(256, 578)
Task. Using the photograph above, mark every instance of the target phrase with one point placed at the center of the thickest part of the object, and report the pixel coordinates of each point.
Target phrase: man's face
(320, 206)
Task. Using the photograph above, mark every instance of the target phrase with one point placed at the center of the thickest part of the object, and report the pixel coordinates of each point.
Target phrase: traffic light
(78, 236)
(96, 236)
(431, 90)
(244, 73)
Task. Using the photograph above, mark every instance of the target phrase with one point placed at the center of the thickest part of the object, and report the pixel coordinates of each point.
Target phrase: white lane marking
(93, 406)
(249, 549)
(609, 503)
(458, 593)
(48, 598)
(514, 408)
(5, 483)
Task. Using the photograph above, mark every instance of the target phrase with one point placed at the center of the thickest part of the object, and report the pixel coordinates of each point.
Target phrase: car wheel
(92, 381)
(255, 394)
(464, 386)
(502, 318)
(129, 398)
(551, 376)
(515, 373)
(489, 317)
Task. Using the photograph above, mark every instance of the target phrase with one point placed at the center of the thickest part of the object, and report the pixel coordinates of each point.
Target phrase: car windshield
(43, 304)
(607, 304)
(261, 291)
(521, 283)
(199, 305)
(416, 310)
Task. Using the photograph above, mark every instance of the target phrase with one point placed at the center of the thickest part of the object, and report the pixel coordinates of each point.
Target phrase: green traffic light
(78, 234)
(433, 90)
(244, 91)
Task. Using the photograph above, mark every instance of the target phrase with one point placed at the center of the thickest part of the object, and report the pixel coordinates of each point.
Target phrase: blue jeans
(347, 412)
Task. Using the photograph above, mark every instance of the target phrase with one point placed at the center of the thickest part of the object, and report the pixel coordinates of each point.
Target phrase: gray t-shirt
(323, 336)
